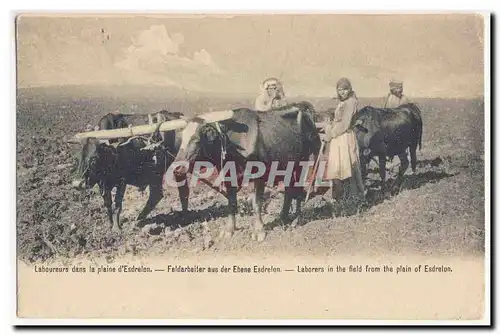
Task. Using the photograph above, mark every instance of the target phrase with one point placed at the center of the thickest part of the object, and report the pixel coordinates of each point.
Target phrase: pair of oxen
(241, 135)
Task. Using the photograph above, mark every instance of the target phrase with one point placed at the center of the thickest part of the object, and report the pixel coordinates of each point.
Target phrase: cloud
(154, 57)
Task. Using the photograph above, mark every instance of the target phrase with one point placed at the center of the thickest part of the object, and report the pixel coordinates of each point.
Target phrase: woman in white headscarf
(272, 96)
(343, 156)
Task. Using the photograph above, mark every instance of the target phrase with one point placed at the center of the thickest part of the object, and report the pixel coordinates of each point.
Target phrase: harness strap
(222, 159)
(223, 149)
(223, 141)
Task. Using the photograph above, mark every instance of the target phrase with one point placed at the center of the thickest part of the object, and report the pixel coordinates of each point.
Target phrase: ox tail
(420, 137)
(421, 128)
(299, 120)
(415, 111)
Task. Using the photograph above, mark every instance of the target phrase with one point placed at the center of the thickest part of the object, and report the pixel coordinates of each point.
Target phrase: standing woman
(342, 150)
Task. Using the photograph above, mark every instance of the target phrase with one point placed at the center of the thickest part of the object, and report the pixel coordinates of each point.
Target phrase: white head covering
(395, 83)
(272, 81)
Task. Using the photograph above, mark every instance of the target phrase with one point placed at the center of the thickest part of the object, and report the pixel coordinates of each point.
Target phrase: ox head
(91, 161)
(201, 139)
(161, 117)
(359, 127)
(366, 127)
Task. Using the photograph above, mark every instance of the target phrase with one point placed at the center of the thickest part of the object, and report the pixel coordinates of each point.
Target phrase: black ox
(283, 135)
(122, 162)
(388, 132)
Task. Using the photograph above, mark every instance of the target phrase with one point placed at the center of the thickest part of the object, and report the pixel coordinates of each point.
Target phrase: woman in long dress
(342, 150)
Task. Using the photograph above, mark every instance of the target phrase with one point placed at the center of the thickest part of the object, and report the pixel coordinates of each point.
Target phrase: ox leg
(337, 189)
(183, 193)
(120, 193)
(233, 208)
(106, 195)
(299, 195)
(298, 208)
(298, 219)
(404, 164)
(413, 156)
(258, 233)
(382, 170)
(359, 182)
(155, 195)
(287, 202)
(337, 193)
(402, 169)
(363, 162)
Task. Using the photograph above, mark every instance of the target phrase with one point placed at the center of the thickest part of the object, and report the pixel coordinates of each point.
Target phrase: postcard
(324, 168)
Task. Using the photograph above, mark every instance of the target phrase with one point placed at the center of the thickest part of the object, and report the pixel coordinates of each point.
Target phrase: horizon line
(477, 96)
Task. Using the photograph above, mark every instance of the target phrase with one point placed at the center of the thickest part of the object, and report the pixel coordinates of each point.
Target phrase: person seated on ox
(395, 98)
(273, 95)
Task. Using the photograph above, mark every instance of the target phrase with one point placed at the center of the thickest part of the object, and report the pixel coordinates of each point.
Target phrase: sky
(438, 55)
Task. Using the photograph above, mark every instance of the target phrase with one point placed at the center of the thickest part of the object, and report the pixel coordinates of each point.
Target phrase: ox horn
(76, 139)
(72, 140)
(173, 125)
(160, 118)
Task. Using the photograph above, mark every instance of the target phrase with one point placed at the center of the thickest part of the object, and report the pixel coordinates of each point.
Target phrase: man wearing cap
(395, 98)
(272, 95)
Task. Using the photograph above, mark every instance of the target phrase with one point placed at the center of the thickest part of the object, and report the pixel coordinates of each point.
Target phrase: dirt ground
(439, 211)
